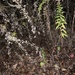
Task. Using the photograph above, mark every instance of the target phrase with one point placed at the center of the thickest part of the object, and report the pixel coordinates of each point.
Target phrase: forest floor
(57, 63)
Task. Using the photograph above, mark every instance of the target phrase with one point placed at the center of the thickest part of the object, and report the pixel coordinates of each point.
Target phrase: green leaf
(42, 64)
(57, 27)
(14, 34)
(64, 31)
(64, 35)
(41, 5)
(58, 48)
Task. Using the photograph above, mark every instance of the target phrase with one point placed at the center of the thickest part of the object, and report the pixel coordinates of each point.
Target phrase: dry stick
(18, 6)
(10, 38)
(27, 43)
(67, 15)
(61, 40)
(47, 12)
(73, 22)
(25, 13)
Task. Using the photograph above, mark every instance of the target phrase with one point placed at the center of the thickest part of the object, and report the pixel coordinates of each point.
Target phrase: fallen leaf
(14, 66)
(56, 67)
(71, 55)
(63, 69)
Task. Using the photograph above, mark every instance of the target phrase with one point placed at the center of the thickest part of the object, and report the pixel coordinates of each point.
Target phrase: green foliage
(23, 23)
(60, 21)
(41, 5)
(43, 53)
(42, 63)
(58, 48)
(13, 34)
